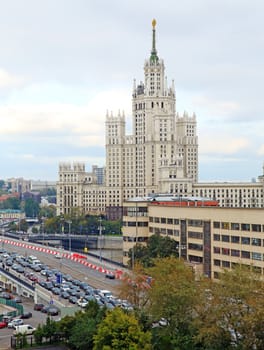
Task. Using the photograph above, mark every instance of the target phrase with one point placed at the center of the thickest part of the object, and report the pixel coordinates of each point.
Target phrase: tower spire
(154, 57)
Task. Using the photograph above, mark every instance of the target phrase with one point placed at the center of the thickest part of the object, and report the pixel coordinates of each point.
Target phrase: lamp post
(43, 228)
(69, 222)
(100, 237)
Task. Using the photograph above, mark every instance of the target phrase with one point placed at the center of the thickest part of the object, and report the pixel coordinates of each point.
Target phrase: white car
(15, 322)
(82, 302)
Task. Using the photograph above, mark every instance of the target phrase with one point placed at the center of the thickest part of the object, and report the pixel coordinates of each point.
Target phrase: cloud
(8, 80)
(223, 145)
(84, 123)
(216, 107)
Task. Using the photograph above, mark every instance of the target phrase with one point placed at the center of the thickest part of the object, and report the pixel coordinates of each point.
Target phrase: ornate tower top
(154, 58)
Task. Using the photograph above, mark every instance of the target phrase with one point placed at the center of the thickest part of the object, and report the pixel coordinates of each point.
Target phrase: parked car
(3, 324)
(26, 315)
(38, 307)
(15, 322)
(53, 310)
(26, 329)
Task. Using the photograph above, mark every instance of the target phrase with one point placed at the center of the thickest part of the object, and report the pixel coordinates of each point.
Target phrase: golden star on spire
(154, 23)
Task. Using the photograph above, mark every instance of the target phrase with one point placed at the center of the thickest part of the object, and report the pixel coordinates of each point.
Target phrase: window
(216, 237)
(225, 251)
(195, 246)
(235, 226)
(245, 254)
(197, 235)
(235, 252)
(235, 239)
(256, 241)
(245, 227)
(256, 256)
(216, 224)
(225, 238)
(256, 228)
(216, 250)
(245, 240)
(226, 264)
(217, 262)
(225, 225)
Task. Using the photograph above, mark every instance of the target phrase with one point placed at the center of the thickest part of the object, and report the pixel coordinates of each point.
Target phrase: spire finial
(154, 57)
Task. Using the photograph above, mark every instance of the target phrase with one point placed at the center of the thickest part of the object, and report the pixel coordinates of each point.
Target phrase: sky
(64, 63)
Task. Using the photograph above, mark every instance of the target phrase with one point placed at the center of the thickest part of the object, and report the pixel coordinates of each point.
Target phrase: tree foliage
(121, 331)
(31, 208)
(157, 247)
(10, 203)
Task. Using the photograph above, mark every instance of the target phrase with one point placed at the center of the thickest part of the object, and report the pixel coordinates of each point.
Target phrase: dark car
(53, 311)
(26, 315)
(110, 275)
(20, 269)
(38, 307)
(65, 295)
(73, 299)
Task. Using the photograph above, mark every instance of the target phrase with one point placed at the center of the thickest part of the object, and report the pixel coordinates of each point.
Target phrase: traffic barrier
(74, 257)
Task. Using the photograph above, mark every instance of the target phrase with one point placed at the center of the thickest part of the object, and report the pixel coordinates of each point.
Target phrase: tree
(81, 327)
(173, 296)
(157, 247)
(31, 207)
(234, 310)
(11, 203)
(134, 287)
(23, 226)
(121, 331)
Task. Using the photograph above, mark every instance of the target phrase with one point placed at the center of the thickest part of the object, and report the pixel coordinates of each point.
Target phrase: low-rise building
(212, 238)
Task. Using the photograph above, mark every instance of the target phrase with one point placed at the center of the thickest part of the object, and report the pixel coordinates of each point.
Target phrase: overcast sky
(64, 63)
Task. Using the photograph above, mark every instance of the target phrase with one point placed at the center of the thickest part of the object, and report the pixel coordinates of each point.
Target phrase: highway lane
(92, 276)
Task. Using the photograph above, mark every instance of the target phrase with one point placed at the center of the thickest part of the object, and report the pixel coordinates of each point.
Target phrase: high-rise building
(160, 156)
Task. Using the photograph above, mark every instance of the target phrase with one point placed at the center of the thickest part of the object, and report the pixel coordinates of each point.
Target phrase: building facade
(210, 238)
(160, 156)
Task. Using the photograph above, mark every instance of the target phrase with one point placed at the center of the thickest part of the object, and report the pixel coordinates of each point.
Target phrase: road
(92, 276)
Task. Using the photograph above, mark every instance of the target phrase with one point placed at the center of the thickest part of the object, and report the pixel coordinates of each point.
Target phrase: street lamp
(100, 237)
(69, 222)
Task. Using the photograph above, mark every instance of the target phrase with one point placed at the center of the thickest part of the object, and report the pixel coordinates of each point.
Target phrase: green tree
(157, 247)
(81, 327)
(48, 211)
(121, 331)
(172, 297)
(50, 328)
(11, 203)
(31, 207)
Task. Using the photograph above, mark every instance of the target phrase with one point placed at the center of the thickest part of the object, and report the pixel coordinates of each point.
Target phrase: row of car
(64, 285)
